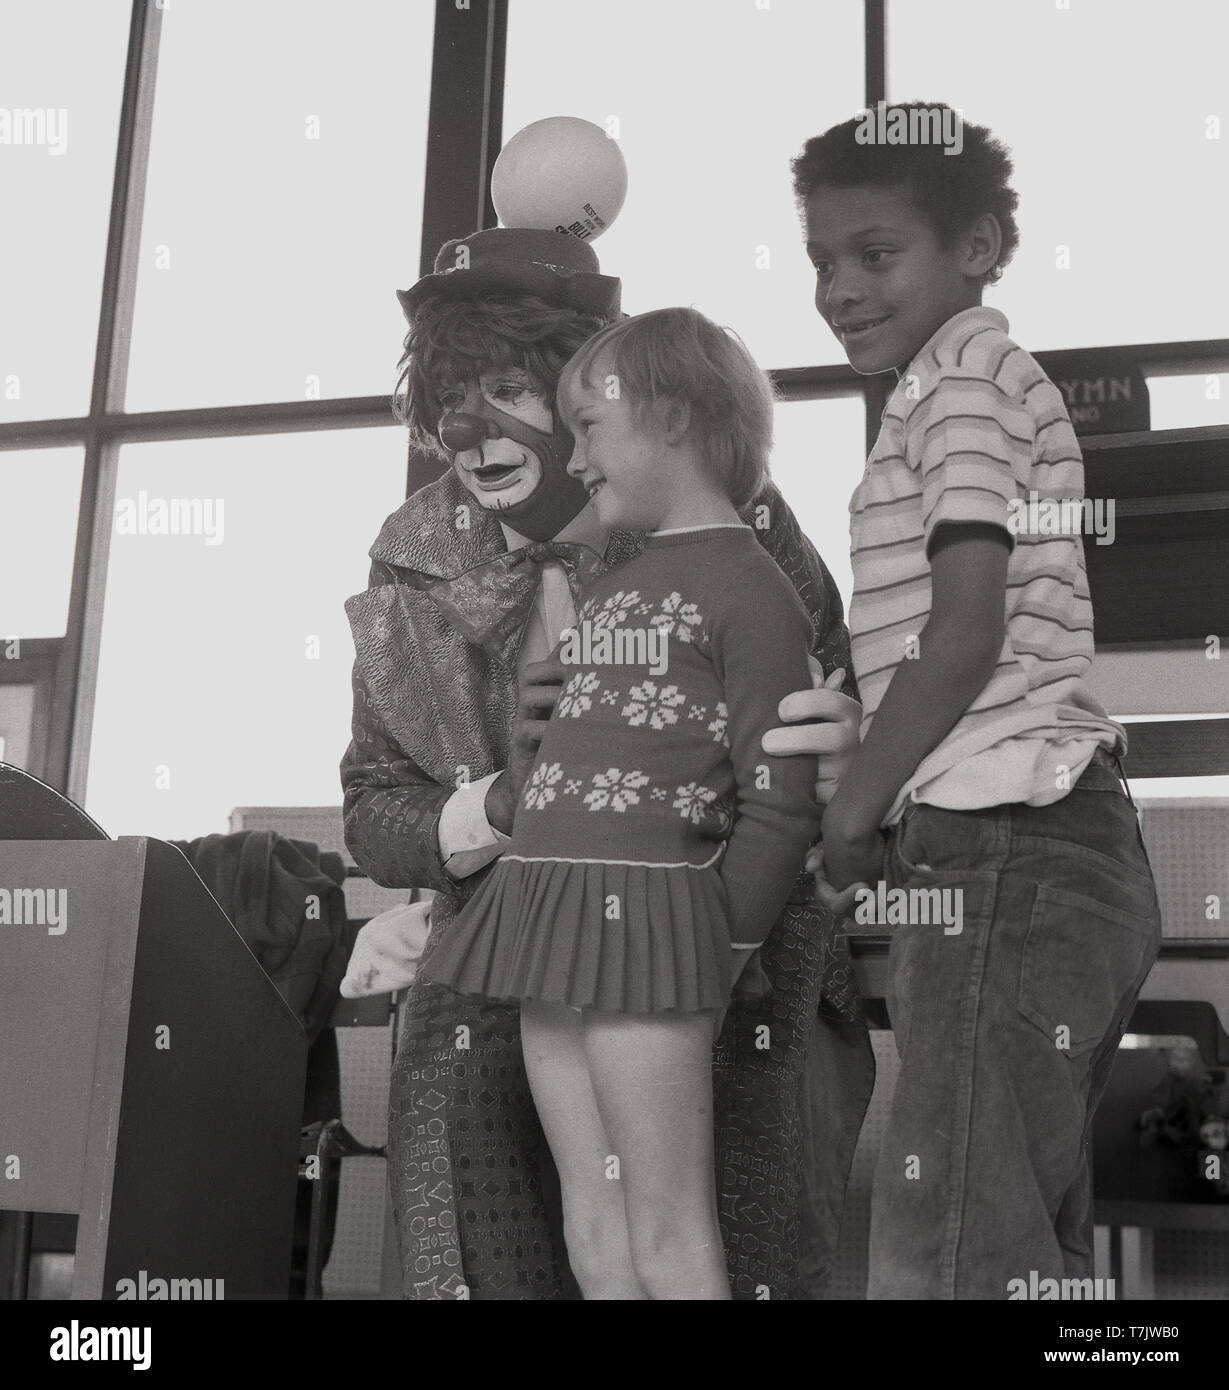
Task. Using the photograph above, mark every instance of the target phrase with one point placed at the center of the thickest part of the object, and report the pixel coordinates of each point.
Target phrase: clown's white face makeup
(500, 473)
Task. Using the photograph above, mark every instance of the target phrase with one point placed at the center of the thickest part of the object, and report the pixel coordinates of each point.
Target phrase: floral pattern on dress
(575, 698)
(616, 789)
(541, 789)
(612, 612)
(679, 619)
(718, 727)
(656, 705)
(693, 800)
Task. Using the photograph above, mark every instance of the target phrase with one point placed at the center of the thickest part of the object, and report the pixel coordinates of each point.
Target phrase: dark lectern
(151, 1076)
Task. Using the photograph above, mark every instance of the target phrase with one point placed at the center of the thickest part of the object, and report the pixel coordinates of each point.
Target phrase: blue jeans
(1006, 1022)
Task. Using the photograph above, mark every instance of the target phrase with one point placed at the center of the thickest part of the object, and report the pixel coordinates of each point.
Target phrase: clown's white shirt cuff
(468, 841)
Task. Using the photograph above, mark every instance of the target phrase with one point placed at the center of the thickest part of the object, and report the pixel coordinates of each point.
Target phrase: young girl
(654, 843)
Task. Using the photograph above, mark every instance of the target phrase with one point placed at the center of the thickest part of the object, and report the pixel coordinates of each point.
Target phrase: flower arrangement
(1193, 1117)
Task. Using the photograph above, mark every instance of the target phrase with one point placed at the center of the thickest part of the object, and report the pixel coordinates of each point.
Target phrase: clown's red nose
(459, 432)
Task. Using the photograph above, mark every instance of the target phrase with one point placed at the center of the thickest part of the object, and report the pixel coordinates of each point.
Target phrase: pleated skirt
(619, 938)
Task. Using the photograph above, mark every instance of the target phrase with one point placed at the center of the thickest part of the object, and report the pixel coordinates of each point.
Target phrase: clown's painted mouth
(491, 477)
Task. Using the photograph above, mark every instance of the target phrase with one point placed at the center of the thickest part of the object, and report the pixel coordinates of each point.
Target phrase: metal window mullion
(875, 53)
(464, 121)
(875, 89)
(464, 126)
(1193, 357)
(77, 671)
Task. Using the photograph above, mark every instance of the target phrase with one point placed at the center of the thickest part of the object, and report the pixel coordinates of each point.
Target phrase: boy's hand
(829, 733)
(852, 856)
(839, 903)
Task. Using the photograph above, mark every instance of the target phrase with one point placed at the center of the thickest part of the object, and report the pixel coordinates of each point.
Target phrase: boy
(983, 756)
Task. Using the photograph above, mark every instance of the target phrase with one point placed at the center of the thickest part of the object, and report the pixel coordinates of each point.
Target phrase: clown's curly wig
(951, 190)
(452, 340)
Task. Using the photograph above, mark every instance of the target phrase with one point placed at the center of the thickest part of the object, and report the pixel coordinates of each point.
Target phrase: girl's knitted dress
(653, 833)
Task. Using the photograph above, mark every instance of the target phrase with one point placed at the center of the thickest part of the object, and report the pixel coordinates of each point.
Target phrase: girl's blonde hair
(678, 354)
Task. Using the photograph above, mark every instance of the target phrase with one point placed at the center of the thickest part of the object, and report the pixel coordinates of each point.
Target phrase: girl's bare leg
(594, 1221)
(652, 1076)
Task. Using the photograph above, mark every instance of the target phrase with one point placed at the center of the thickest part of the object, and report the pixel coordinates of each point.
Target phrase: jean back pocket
(1081, 962)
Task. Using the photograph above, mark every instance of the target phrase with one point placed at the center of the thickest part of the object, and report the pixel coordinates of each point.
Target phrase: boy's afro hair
(951, 190)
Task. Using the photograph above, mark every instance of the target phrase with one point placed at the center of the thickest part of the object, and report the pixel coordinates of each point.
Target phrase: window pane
(712, 98)
(61, 81)
(16, 723)
(226, 652)
(285, 200)
(817, 461)
(1106, 106)
(40, 492)
(1146, 789)
(1183, 402)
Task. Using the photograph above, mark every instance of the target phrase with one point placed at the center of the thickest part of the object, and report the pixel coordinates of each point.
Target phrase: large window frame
(464, 134)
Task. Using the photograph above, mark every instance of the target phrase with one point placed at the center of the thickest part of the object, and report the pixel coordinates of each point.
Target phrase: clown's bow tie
(490, 603)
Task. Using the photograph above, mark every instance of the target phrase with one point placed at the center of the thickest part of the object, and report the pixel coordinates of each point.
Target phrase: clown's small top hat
(554, 266)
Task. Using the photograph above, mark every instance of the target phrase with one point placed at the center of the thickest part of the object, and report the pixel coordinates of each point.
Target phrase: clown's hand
(387, 950)
(823, 723)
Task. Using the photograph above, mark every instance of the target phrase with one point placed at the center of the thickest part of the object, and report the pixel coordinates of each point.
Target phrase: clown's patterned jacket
(467, 1157)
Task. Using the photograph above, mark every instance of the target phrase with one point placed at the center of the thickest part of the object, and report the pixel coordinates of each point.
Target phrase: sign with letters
(1104, 392)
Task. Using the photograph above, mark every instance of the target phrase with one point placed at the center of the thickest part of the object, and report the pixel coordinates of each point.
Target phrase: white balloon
(561, 173)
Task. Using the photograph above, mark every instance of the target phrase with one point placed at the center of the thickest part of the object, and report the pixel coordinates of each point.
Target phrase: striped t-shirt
(974, 431)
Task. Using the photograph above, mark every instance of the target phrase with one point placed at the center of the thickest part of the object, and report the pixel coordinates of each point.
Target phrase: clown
(473, 579)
